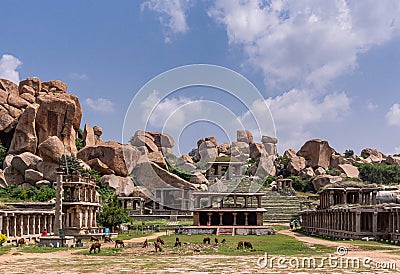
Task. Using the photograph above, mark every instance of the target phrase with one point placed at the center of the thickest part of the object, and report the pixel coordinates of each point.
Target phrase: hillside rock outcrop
(317, 152)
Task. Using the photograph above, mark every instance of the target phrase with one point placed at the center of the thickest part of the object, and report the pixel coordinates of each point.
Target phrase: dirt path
(353, 249)
(10, 256)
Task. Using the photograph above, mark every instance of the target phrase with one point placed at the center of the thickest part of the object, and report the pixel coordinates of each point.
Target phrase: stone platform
(228, 230)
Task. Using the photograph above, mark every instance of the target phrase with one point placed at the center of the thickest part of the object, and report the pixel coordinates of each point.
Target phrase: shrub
(301, 185)
(379, 173)
(18, 193)
(269, 180)
(348, 153)
(333, 171)
(112, 214)
(70, 164)
(3, 239)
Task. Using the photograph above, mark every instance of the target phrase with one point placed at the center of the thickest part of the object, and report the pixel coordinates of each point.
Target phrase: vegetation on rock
(379, 173)
(70, 165)
(15, 193)
(3, 154)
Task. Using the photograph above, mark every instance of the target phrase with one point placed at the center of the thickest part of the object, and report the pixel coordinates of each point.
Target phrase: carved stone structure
(228, 170)
(228, 213)
(353, 213)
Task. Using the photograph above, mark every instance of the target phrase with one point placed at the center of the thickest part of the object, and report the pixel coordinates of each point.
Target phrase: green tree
(301, 185)
(112, 214)
(348, 153)
(70, 165)
(379, 173)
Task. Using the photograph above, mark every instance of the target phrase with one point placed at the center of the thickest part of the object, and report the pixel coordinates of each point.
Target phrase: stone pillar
(196, 218)
(374, 197)
(259, 201)
(15, 225)
(246, 218)
(358, 222)
(221, 214)
(1, 225)
(344, 197)
(39, 224)
(209, 217)
(21, 224)
(91, 217)
(259, 218)
(94, 218)
(246, 200)
(221, 203)
(7, 226)
(234, 200)
(51, 224)
(375, 223)
(331, 201)
(58, 211)
(234, 218)
(86, 218)
(360, 197)
(80, 217)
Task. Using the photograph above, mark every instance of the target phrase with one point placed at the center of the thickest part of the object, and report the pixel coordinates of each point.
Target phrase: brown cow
(207, 240)
(216, 240)
(157, 246)
(145, 244)
(223, 241)
(159, 240)
(21, 242)
(93, 248)
(240, 245)
(108, 239)
(177, 243)
(120, 243)
(94, 239)
(248, 245)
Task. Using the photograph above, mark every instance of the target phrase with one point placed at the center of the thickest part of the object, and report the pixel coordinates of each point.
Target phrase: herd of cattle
(159, 242)
(96, 245)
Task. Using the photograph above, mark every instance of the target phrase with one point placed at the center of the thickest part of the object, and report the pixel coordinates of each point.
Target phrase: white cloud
(100, 104)
(393, 116)
(172, 15)
(8, 68)
(297, 110)
(306, 43)
(78, 76)
(371, 105)
(169, 108)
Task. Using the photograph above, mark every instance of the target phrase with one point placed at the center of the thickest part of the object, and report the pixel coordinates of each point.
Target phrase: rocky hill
(40, 122)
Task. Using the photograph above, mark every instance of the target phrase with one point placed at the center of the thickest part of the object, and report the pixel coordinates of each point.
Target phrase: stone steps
(280, 208)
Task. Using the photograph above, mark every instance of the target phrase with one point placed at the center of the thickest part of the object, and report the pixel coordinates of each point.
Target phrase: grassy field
(4, 249)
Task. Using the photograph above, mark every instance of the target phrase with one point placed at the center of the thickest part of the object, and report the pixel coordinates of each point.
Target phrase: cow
(21, 242)
(223, 241)
(159, 240)
(79, 241)
(157, 246)
(108, 239)
(240, 245)
(94, 239)
(206, 240)
(216, 240)
(119, 243)
(177, 243)
(145, 244)
(93, 248)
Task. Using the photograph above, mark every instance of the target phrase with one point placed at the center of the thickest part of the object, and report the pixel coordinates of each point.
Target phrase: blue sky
(326, 69)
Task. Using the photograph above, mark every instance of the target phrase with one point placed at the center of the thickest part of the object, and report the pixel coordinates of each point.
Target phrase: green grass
(42, 249)
(127, 235)
(4, 249)
(272, 244)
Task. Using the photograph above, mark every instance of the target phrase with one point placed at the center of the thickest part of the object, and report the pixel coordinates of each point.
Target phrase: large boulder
(54, 86)
(123, 186)
(211, 139)
(337, 159)
(88, 136)
(158, 158)
(317, 153)
(12, 176)
(198, 178)
(8, 86)
(98, 131)
(323, 180)
(184, 159)
(33, 176)
(99, 166)
(151, 176)
(120, 158)
(224, 148)
(25, 139)
(7, 121)
(143, 138)
(307, 173)
(393, 160)
(49, 170)
(208, 154)
(372, 155)
(162, 139)
(41, 183)
(25, 161)
(7, 161)
(296, 163)
(264, 167)
(269, 140)
(256, 151)
(244, 136)
(58, 115)
(31, 85)
(51, 149)
(350, 170)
